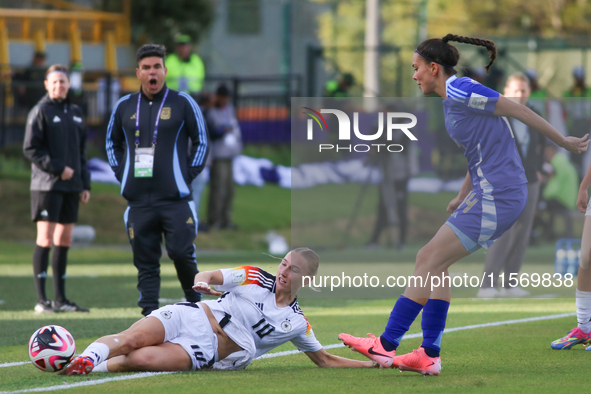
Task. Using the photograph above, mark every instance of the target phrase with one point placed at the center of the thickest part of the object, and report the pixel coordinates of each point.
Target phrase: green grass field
(504, 358)
(510, 357)
(316, 217)
(256, 211)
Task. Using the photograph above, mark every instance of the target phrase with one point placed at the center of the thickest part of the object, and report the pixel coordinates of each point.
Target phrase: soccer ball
(51, 348)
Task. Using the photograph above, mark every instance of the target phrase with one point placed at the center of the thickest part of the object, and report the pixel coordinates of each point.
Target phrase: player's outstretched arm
(203, 280)
(326, 360)
(506, 107)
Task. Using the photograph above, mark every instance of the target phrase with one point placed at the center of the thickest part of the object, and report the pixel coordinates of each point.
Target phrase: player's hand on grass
(204, 288)
(576, 145)
(454, 204)
(582, 200)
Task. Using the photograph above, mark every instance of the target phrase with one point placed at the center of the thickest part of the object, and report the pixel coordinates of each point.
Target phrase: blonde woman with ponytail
(256, 312)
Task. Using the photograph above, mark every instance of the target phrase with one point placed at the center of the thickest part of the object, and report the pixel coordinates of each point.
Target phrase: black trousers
(400, 203)
(221, 193)
(145, 227)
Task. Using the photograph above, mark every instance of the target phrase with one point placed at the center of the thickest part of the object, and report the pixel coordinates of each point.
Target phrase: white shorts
(186, 324)
(242, 337)
(588, 211)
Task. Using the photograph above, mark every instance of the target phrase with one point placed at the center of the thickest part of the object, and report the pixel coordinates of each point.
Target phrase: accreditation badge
(144, 162)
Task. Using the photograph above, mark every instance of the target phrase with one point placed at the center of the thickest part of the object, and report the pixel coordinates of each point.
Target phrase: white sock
(102, 367)
(583, 302)
(97, 352)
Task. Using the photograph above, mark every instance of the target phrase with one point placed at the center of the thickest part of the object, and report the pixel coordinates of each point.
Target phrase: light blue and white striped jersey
(487, 140)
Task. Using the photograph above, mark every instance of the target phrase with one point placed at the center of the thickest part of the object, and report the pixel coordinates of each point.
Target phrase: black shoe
(148, 309)
(68, 306)
(43, 307)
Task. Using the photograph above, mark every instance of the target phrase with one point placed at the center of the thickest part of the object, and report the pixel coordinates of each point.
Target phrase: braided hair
(440, 51)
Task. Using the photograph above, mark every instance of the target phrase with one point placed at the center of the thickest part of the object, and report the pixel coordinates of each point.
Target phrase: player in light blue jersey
(491, 199)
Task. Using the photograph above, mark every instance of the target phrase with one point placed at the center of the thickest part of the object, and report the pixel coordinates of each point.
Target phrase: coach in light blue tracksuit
(147, 146)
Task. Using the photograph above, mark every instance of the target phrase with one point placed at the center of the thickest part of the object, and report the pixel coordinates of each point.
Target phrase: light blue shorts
(484, 216)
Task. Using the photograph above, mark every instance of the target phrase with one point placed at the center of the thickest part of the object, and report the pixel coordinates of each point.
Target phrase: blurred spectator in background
(397, 168)
(579, 89)
(226, 144)
(76, 94)
(198, 185)
(495, 79)
(560, 192)
(339, 87)
(578, 110)
(537, 97)
(476, 73)
(29, 84)
(185, 69)
(446, 157)
(507, 252)
(535, 88)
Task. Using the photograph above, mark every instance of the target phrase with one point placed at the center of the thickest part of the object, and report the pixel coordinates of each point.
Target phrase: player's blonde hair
(311, 258)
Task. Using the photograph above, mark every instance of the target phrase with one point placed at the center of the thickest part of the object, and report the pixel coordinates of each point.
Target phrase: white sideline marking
(88, 383)
(271, 355)
(419, 334)
(14, 364)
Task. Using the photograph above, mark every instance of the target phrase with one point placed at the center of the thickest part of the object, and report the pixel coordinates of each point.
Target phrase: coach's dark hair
(57, 67)
(441, 51)
(150, 50)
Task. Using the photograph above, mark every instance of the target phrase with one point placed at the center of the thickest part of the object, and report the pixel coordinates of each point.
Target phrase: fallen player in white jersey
(257, 313)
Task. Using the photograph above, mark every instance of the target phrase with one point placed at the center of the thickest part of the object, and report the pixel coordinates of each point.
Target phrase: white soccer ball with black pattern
(51, 348)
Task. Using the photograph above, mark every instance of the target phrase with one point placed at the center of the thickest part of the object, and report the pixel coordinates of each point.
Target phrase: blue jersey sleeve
(482, 99)
(478, 98)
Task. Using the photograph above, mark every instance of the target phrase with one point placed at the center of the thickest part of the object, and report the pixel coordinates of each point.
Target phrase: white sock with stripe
(102, 367)
(97, 352)
(583, 302)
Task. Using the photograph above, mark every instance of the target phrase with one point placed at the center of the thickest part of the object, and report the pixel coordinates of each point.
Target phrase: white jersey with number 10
(250, 299)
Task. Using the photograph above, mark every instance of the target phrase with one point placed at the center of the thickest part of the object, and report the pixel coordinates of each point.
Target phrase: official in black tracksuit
(54, 142)
(162, 203)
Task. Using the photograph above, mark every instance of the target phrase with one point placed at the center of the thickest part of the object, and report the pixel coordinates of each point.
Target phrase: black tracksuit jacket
(174, 166)
(55, 137)
(535, 152)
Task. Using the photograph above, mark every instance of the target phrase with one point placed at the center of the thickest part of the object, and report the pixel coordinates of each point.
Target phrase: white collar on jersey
(449, 80)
